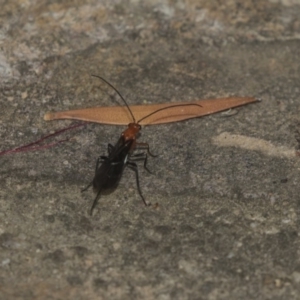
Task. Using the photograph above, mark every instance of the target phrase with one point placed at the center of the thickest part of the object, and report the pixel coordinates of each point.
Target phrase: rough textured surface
(227, 221)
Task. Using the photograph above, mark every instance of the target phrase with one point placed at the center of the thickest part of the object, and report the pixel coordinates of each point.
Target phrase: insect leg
(145, 164)
(87, 187)
(133, 166)
(138, 157)
(98, 161)
(95, 202)
(145, 146)
(110, 148)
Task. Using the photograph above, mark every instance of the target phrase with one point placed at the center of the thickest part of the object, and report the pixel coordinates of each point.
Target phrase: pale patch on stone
(227, 139)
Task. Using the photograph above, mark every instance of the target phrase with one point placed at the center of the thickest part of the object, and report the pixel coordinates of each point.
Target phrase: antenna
(118, 94)
(176, 105)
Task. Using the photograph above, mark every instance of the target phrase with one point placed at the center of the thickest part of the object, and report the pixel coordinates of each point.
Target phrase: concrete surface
(226, 222)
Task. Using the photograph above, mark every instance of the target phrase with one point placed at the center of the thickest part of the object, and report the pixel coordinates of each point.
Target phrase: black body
(109, 173)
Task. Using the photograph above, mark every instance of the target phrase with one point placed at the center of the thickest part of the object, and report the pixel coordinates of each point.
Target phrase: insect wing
(110, 171)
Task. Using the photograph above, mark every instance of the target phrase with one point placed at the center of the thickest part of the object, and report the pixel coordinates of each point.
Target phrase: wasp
(109, 169)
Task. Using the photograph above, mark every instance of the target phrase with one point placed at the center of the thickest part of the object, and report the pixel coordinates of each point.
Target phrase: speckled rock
(224, 223)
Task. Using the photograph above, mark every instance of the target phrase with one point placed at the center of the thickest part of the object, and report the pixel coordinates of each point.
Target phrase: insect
(109, 169)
